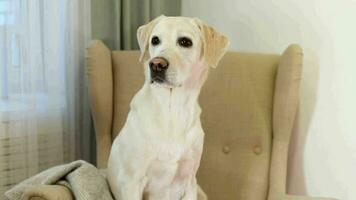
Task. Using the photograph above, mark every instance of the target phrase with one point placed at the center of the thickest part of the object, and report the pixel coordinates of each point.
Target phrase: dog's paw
(201, 194)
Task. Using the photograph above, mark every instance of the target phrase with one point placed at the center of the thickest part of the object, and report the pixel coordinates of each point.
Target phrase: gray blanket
(84, 180)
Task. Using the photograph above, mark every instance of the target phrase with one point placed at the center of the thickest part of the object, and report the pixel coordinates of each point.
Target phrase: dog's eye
(155, 41)
(185, 42)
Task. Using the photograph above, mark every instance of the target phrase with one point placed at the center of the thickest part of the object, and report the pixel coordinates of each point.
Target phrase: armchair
(249, 105)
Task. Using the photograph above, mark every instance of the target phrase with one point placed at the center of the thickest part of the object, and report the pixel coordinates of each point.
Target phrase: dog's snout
(158, 64)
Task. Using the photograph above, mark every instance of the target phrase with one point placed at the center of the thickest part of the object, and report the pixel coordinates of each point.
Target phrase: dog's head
(178, 51)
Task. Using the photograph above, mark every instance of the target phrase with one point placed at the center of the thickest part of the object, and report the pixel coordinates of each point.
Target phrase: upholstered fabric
(284, 111)
(100, 81)
(236, 116)
(249, 103)
(127, 81)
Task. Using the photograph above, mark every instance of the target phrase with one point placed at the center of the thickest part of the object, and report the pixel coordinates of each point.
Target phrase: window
(9, 46)
(7, 12)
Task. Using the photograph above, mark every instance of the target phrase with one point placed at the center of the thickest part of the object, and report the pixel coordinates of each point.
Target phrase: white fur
(157, 153)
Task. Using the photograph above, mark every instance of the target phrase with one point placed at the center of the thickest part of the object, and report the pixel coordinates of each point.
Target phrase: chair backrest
(237, 104)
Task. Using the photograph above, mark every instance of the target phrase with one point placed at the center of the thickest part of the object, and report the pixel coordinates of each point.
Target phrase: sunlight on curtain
(42, 46)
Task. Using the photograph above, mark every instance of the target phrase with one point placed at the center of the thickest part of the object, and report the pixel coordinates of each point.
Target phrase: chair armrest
(48, 192)
(293, 197)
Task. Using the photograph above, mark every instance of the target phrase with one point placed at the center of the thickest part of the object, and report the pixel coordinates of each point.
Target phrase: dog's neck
(174, 99)
(177, 108)
(170, 111)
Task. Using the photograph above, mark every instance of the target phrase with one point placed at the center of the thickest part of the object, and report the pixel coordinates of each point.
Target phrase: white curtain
(44, 117)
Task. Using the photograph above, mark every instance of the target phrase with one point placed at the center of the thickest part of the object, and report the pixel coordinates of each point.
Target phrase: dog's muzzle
(158, 68)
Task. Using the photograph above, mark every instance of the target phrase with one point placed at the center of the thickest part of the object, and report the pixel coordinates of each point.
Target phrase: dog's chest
(168, 177)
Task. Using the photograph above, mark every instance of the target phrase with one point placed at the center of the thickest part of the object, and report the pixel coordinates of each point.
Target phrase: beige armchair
(249, 105)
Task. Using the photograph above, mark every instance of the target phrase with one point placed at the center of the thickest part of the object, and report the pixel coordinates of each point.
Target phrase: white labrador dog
(157, 153)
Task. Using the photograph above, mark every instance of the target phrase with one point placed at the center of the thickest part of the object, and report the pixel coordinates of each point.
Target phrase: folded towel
(83, 179)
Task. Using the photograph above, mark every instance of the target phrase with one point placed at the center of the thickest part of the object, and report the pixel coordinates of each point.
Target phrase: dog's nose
(158, 64)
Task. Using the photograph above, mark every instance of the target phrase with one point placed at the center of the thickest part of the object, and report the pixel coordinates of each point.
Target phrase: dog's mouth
(166, 80)
(158, 79)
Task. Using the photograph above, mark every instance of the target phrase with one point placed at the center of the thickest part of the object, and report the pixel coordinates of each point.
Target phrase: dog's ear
(143, 34)
(215, 44)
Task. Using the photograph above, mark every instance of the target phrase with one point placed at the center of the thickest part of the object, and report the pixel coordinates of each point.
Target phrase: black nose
(158, 65)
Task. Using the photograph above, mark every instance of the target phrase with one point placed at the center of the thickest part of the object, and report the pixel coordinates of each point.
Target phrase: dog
(157, 153)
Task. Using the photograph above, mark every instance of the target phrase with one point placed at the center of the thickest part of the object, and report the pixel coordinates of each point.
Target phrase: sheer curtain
(44, 116)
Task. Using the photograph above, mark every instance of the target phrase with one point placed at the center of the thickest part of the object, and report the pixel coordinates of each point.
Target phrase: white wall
(323, 155)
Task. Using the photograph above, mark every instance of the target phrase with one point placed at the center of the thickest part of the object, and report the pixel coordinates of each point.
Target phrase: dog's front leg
(201, 194)
(191, 191)
(128, 188)
(194, 192)
(132, 190)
